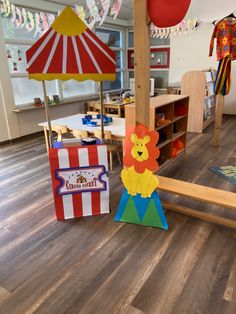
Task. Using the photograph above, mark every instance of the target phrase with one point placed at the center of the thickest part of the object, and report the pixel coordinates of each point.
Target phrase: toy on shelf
(95, 120)
(178, 146)
(180, 110)
(140, 203)
(38, 102)
(161, 119)
(56, 99)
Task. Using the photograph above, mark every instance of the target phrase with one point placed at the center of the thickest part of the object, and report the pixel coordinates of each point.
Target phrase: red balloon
(167, 13)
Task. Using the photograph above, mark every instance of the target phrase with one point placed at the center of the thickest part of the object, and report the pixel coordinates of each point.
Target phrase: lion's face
(139, 150)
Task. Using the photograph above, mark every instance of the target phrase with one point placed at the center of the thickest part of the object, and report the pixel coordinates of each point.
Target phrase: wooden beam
(141, 62)
(47, 114)
(198, 192)
(201, 215)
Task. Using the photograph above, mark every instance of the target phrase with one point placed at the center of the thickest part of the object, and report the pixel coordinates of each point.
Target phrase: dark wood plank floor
(93, 265)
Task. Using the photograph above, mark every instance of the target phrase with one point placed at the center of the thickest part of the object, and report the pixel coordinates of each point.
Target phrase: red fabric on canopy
(64, 52)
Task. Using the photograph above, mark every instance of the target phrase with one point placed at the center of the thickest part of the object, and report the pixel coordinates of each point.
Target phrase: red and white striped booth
(79, 181)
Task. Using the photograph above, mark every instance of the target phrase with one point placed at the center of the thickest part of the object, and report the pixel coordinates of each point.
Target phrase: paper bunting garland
(30, 22)
(40, 22)
(183, 28)
(97, 12)
(24, 17)
(79, 10)
(140, 203)
(94, 13)
(104, 11)
(115, 9)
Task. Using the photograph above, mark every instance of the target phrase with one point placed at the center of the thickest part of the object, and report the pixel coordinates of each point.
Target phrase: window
(115, 39)
(26, 90)
(74, 88)
(119, 59)
(113, 85)
(159, 62)
(112, 38)
(19, 39)
(17, 58)
(154, 42)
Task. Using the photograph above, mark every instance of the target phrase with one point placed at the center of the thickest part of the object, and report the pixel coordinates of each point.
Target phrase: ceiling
(126, 12)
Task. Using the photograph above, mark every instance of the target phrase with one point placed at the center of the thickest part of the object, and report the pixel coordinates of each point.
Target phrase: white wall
(28, 120)
(190, 52)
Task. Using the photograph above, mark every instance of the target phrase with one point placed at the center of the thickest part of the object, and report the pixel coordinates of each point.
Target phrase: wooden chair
(60, 130)
(110, 147)
(97, 107)
(90, 105)
(80, 134)
(92, 113)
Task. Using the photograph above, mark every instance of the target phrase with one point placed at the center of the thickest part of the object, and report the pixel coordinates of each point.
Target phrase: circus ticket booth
(69, 50)
(79, 181)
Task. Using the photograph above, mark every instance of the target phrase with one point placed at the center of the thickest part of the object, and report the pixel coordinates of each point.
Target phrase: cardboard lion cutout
(140, 203)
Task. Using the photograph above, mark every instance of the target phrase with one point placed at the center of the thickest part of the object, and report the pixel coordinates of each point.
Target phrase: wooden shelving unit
(175, 129)
(199, 85)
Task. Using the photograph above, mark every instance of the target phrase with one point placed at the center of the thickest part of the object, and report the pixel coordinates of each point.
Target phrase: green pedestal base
(141, 211)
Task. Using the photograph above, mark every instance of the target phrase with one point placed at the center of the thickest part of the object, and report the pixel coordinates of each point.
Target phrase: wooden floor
(94, 265)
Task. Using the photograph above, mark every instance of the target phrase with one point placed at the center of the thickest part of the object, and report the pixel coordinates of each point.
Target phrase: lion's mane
(151, 163)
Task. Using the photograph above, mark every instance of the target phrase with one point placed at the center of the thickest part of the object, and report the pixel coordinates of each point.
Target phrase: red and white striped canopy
(69, 50)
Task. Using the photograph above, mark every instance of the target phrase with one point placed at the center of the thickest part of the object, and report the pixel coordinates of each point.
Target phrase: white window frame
(122, 49)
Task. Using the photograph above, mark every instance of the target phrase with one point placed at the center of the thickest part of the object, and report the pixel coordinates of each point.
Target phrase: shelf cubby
(168, 105)
(165, 154)
(199, 85)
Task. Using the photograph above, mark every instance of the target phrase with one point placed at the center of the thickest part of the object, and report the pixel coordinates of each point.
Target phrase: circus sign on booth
(81, 179)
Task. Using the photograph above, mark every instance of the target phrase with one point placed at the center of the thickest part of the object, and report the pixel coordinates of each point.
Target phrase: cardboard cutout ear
(167, 13)
(134, 138)
(146, 139)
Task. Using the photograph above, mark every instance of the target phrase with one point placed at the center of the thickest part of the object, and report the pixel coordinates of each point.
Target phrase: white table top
(117, 127)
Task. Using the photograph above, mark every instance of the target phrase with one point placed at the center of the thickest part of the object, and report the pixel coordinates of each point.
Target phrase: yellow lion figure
(140, 160)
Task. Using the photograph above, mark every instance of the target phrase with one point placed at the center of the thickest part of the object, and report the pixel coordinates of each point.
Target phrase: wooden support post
(141, 62)
(218, 119)
(47, 114)
(102, 111)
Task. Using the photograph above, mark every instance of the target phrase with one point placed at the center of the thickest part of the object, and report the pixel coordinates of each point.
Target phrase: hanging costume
(225, 33)
(223, 76)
